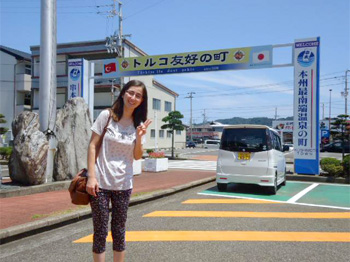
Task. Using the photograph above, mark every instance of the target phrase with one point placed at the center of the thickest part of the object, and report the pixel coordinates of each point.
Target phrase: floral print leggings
(100, 217)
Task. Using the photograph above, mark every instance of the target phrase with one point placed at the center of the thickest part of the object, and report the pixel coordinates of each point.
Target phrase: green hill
(255, 120)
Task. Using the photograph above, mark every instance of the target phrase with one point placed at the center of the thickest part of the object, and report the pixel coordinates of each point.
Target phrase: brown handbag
(77, 187)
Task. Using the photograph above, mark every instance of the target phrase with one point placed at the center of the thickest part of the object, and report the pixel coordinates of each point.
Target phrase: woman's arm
(140, 131)
(92, 185)
(138, 150)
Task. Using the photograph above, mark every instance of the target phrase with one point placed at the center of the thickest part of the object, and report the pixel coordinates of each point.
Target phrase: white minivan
(211, 144)
(251, 154)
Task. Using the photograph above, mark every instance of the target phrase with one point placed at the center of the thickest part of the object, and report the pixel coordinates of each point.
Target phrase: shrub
(333, 170)
(347, 165)
(329, 161)
(156, 155)
(5, 152)
(332, 166)
(149, 151)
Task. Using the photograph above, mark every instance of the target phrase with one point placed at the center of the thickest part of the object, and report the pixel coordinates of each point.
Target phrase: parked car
(191, 144)
(336, 147)
(251, 154)
(290, 146)
(212, 144)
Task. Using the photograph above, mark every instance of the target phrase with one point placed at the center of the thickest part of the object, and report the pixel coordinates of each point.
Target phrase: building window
(167, 106)
(178, 132)
(161, 133)
(27, 99)
(156, 104)
(153, 133)
(168, 133)
(28, 69)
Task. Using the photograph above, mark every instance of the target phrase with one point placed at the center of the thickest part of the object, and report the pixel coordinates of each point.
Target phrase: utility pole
(204, 118)
(190, 97)
(48, 81)
(114, 43)
(276, 113)
(345, 93)
(330, 108)
(322, 111)
(120, 44)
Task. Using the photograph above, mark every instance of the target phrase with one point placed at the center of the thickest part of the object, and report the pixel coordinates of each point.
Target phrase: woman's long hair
(140, 112)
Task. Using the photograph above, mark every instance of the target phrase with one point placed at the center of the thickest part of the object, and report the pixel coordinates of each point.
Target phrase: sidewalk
(32, 213)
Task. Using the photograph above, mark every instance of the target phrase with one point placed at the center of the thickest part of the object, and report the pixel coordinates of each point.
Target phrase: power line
(144, 9)
(264, 87)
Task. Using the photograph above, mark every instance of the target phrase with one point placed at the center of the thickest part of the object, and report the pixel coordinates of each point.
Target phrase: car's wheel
(285, 178)
(273, 189)
(222, 187)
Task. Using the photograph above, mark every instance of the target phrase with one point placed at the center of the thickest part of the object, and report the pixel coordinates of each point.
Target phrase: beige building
(15, 86)
(161, 99)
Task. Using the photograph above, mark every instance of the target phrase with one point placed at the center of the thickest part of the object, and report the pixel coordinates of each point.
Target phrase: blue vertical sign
(81, 82)
(75, 78)
(306, 106)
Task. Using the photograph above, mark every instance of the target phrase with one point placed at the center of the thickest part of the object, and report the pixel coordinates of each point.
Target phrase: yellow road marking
(329, 215)
(136, 236)
(227, 201)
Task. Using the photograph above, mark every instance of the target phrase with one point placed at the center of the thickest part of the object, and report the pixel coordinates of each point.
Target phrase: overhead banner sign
(203, 61)
(306, 106)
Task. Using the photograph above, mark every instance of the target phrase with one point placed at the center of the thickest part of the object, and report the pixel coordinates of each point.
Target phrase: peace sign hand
(142, 129)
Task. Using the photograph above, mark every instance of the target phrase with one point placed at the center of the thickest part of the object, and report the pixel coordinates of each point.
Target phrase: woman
(110, 178)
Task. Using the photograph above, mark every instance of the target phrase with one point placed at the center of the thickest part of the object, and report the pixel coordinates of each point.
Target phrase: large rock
(27, 163)
(73, 134)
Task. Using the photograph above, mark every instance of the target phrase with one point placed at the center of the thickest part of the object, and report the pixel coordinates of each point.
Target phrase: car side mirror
(285, 148)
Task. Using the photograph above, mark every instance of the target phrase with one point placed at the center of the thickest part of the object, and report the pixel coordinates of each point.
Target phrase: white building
(161, 100)
(15, 85)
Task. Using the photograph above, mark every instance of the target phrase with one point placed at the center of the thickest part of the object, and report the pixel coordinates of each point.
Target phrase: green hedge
(333, 170)
(335, 167)
(347, 165)
(329, 161)
(5, 152)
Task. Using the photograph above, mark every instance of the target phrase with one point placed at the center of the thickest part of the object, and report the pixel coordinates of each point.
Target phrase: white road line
(197, 152)
(278, 201)
(323, 183)
(302, 193)
(193, 164)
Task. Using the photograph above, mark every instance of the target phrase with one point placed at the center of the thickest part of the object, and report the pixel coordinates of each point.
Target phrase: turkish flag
(111, 67)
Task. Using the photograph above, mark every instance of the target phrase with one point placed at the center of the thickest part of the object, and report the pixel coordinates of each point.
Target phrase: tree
(3, 130)
(340, 129)
(174, 122)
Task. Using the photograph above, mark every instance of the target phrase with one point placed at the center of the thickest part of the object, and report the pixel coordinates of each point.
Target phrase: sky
(178, 26)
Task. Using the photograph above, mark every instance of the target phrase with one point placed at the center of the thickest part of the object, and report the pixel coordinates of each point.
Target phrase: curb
(23, 191)
(16, 232)
(319, 179)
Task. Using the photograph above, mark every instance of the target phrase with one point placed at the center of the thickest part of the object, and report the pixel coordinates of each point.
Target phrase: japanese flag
(259, 57)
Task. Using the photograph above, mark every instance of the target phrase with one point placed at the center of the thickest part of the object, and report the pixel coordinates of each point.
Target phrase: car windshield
(212, 142)
(244, 139)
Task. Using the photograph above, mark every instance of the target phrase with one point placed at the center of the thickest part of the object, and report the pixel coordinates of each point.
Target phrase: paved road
(203, 165)
(214, 152)
(238, 230)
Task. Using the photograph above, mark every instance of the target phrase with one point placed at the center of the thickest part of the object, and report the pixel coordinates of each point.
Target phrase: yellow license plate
(243, 155)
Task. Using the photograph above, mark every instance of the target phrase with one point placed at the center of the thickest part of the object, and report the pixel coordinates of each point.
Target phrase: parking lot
(299, 193)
